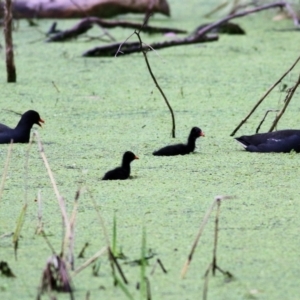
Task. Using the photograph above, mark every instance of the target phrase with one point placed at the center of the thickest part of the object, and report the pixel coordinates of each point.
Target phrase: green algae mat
(95, 109)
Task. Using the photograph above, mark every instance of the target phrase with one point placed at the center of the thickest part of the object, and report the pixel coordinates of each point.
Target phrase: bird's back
(179, 149)
(117, 173)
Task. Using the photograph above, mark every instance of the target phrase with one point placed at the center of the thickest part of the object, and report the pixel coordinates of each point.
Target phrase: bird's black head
(129, 156)
(196, 132)
(32, 117)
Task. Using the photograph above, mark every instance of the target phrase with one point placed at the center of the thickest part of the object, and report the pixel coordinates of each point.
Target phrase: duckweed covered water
(106, 106)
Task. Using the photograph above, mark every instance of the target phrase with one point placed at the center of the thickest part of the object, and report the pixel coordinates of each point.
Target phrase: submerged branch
(87, 23)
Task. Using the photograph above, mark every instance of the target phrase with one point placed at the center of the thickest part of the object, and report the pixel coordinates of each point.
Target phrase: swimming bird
(123, 171)
(20, 134)
(277, 141)
(181, 149)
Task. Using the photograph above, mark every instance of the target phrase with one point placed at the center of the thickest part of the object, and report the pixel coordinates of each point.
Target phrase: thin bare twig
(55, 86)
(48, 242)
(213, 25)
(262, 121)
(137, 32)
(114, 260)
(90, 261)
(157, 85)
(264, 96)
(158, 263)
(214, 261)
(10, 64)
(194, 246)
(121, 45)
(286, 103)
(81, 253)
(101, 220)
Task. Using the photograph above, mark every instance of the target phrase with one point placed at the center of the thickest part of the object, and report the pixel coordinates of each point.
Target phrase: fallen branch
(87, 23)
(129, 48)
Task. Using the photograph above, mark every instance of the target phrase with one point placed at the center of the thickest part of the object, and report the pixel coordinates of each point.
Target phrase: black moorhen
(277, 141)
(181, 149)
(122, 172)
(21, 134)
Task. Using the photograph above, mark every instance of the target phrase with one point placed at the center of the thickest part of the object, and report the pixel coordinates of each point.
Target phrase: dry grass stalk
(72, 230)
(148, 288)
(48, 242)
(101, 220)
(214, 262)
(43, 155)
(90, 261)
(17, 232)
(9, 151)
(204, 222)
(26, 169)
(206, 280)
(87, 296)
(5, 235)
(60, 199)
(213, 265)
(39, 228)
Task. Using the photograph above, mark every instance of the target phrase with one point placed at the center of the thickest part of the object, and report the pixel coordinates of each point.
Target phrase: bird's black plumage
(181, 149)
(277, 141)
(123, 171)
(21, 133)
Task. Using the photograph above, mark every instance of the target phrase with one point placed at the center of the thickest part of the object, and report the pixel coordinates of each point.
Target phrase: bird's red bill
(42, 121)
(202, 134)
(136, 157)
